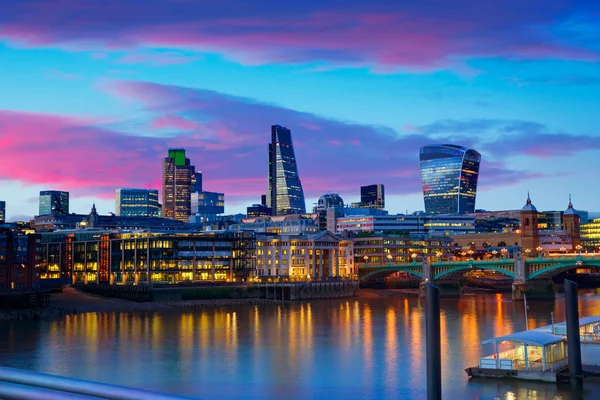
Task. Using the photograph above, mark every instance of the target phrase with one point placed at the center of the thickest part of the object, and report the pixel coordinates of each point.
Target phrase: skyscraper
(449, 177)
(372, 196)
(285, 194)
(177, 185)
(54, 202)
(2, 211)
(137, 203)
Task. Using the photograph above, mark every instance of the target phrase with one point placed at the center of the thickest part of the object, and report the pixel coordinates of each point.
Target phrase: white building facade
(302, 257)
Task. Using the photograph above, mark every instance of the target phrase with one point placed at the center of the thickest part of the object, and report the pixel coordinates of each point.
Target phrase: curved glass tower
(449, 177)
(285, 194)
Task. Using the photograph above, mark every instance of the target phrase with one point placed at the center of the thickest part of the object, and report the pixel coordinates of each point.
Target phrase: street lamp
(504, 251)
(579, 247)
(366, 259)
(495, 253)
(414, 257)
(562, 249)
(470, 254)
(527, 251)
(389, 257)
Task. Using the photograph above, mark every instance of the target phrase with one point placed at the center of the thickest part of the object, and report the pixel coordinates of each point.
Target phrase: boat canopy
(530, 338)
(561, 327)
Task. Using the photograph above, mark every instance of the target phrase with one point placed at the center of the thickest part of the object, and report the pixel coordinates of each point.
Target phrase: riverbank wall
(268, 291)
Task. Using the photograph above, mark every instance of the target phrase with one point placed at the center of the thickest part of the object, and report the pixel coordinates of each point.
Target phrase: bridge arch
(386, 272)
(466, 268)
(556, 269)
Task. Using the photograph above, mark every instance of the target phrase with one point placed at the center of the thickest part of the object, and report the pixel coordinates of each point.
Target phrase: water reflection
(359, 348)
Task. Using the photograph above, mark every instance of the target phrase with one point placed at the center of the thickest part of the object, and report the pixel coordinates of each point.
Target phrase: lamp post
(578, 248)
(470, 254)
(366, 259)
(527, 251)
(562, 249)
(439, 256)
(389, 257)
(463, 254)
(495, 253)
(539, 251)
(504, 251)
(414, 257)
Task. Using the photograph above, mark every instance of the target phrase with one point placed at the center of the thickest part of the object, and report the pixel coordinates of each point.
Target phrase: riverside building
(301, 257)
(135, 257)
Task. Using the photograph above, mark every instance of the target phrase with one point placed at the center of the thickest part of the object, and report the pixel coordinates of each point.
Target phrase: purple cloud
(226, 137)
(417, 35)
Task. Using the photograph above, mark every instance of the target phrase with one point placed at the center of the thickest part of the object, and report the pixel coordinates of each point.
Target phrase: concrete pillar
(321, 263)
(518, 290)
(336, 254)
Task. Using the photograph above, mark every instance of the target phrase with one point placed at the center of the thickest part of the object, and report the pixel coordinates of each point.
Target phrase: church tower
(571, 224)
(530, 238)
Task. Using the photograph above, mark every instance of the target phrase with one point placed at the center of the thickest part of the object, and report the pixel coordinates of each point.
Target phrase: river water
(363, 348)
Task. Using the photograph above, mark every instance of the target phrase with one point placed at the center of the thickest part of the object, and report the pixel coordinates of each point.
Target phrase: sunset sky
(93, 93)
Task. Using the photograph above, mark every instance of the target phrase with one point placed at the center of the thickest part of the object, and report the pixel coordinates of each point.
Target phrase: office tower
(449, 178)
(285, 195)
(54, 202)
(137, 203)
(206, 206)
(263, 199)
(372, 196)
(197, 182)
(2, 211)
(177, 185)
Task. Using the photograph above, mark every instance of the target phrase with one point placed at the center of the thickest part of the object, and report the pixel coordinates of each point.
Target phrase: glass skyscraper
(285, 194)
(137, 203)
(178, 176)
(449, 177)
(54, 202)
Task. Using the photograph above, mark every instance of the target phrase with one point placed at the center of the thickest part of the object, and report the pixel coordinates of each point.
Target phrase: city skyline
(93, 110)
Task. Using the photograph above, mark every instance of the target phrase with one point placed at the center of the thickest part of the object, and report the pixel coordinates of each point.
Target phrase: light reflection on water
(356, 348)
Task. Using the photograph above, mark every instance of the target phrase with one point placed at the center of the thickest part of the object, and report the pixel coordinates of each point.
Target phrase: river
(361, 348)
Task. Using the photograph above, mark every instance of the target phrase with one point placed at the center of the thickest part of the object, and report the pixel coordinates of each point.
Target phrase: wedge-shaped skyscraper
(449, 177)
(285, 194)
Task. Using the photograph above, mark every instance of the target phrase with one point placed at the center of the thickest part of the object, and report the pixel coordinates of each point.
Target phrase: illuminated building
(590, 235)
(54, 202)
(178, 175)
(295, 224)
(302, 256)
(258, 210)
(449, 178)
(206, 206)
(2, 211)
(372, 196)
(129, 257)
(329, 207)
(19, 259)
(137, 203)
(384, 249)
(420, 224)
(285, 194)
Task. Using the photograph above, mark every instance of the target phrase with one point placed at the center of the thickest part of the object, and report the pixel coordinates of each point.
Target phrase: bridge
(522, 270)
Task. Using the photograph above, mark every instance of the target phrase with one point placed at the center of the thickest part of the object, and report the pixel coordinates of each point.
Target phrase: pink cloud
(383, 35)
(226, 138)
(173, 121)
(158, 59)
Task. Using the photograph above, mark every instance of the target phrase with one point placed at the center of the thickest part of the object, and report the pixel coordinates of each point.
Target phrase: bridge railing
(20, 384)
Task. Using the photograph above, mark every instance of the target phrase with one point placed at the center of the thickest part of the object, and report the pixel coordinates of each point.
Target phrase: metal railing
(19, 384)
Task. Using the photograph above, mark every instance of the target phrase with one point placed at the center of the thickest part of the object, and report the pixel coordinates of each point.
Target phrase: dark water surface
(348, 349)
